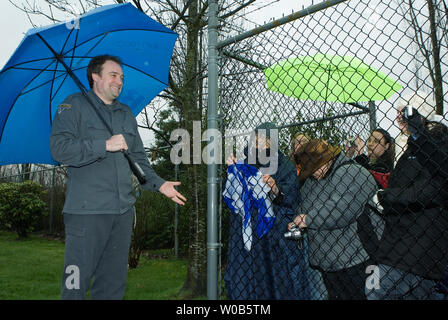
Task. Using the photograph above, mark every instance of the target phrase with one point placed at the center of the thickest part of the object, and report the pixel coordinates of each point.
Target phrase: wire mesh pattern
(347, 104)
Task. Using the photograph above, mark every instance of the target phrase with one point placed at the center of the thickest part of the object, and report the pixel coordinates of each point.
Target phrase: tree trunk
(436, 75)
(430, 48)
(196, 281)
(26, 171)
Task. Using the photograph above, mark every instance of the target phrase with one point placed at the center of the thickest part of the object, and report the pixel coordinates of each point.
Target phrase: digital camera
(407, 112)
(296, 233)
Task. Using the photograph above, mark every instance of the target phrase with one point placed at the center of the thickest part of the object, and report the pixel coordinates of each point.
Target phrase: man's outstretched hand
(169, 191)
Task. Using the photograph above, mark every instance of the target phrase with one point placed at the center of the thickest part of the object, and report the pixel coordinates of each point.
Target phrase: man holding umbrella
(98, 210)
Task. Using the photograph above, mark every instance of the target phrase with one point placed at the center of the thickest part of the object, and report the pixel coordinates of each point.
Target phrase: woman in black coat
(413, 251)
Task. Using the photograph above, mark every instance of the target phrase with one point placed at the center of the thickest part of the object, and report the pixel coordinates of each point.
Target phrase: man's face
(109, 83)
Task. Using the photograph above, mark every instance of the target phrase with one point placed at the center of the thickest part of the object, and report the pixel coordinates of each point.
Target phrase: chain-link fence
(369, 204)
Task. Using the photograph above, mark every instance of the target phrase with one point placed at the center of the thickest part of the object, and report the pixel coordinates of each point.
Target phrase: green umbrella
(324, 77)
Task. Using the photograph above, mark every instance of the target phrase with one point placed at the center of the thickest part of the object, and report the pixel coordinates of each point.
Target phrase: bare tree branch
(138, 5)
(420, 38)
(181, 15)
(241, 7)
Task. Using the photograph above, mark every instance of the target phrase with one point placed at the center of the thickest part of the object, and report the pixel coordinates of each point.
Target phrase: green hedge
(21, 206)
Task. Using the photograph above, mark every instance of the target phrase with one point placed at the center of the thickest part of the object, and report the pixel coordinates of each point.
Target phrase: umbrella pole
(135, 167)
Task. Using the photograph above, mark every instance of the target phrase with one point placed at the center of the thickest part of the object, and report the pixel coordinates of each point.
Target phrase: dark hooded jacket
(274, 268)
(415, 204)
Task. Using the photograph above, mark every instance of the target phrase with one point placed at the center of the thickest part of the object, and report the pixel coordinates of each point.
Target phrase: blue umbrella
(51, 63)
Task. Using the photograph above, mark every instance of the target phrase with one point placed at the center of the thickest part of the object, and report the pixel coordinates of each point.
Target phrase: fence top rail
(296, 124)
(268, 26)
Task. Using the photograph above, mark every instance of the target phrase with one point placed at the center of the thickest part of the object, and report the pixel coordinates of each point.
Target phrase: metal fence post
(372, 115)
(212, 168)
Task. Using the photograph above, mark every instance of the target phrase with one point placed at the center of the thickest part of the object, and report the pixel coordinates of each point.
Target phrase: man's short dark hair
(96, 65)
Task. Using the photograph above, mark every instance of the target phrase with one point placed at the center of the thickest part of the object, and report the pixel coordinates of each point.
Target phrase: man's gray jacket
(99, 182)
(332, 206)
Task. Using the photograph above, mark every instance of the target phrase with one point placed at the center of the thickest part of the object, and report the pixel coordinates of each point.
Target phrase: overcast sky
(14, 23)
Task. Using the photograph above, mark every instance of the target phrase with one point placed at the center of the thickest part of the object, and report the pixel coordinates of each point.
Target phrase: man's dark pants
(96, 248)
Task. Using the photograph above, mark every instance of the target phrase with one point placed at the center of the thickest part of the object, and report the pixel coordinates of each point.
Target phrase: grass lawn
(32, 269)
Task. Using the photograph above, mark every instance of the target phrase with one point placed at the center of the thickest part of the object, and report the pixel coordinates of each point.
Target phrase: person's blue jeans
(395, 284)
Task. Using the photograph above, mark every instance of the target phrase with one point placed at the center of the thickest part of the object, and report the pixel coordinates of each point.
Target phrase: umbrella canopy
(35, 81)
(324, 77)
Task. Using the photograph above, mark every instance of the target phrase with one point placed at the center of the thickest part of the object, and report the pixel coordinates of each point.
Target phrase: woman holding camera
(335, 194)
(412, 254)
(380, 155)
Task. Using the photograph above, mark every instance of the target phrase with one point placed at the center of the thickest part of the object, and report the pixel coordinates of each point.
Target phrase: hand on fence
(271, 183)
(359, 145)
(354, 147)
(231, 160)
(298, 221)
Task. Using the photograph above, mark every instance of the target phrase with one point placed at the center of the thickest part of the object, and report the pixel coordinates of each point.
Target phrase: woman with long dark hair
(380, 155)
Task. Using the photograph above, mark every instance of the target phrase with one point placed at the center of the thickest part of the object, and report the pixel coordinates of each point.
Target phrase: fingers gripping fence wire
(341, 191)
